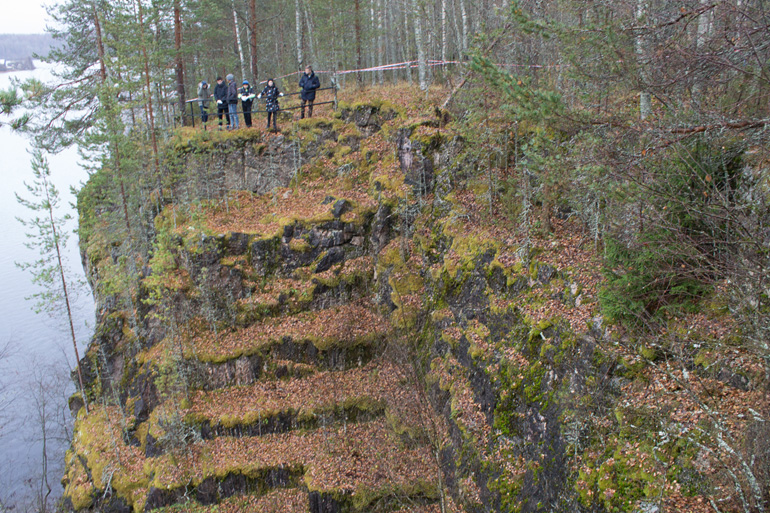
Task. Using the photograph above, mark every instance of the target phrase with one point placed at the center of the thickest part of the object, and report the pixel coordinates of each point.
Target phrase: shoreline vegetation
(18, 50)
(17, 65)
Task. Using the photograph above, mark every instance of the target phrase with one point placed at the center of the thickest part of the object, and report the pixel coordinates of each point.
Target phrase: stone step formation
(294, 397)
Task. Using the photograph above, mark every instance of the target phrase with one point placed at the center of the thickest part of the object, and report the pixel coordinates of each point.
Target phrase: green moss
(300, 245)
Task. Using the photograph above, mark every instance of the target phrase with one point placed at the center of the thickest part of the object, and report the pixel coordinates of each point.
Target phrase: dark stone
(237, 243)
(263, 256)
(327, 200)
(233, 484)
(340, 207)
(152, 448)
(115, 504)
(735, 380)
(208, 491)
(334, 256)
(335, 238)
(157, 498)
(75, 404)
(322, 503)
(141, 410)
(380, 234)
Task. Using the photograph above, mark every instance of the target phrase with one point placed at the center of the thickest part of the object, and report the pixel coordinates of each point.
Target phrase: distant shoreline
(11, 65)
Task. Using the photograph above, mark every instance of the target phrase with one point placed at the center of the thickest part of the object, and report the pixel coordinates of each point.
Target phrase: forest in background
(22, 46)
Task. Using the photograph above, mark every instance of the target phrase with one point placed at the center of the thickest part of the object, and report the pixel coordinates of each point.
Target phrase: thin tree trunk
(178, 58)
(298, 21)
(45, 486)
(457, 32)
(150, 113)
(443, 31)
(373, 47)
(99, 45)
(253, 40)
(380, 42)
(645, 99)
(466, 29)
(422, 61)
(237, 29)
(65, 292)
(704, 22)
(310, 36)
(405, 44)
(359, 55)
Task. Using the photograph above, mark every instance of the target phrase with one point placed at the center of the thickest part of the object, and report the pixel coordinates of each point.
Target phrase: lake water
(38, 356)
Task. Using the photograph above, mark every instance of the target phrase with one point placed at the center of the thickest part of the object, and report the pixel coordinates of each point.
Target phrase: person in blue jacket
(308, 83)
(271, 94)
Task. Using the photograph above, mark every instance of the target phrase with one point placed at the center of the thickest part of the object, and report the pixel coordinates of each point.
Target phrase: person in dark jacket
(308, 83)
(271, 94)
(204, 100)
(247, 95)
(220, 95)
(232, 101)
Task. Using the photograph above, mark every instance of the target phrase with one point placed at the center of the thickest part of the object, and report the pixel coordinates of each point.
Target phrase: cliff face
(332, 320)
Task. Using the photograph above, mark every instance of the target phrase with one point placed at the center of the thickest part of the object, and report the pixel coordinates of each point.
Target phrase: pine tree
(47, 236)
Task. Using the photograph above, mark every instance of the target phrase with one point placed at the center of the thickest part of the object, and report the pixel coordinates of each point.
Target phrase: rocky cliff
(336, 319)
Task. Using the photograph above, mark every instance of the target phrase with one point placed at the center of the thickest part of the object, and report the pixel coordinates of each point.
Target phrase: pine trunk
(148, 87)
(179, 61)
(253, 40)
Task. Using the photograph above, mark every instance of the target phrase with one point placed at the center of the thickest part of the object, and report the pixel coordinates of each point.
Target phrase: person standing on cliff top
(220, 95)
(232, 101)
(204, 101)
(271, 94)
(308, 83)
(247, 95)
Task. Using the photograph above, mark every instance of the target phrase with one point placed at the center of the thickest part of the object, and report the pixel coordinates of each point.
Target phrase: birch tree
(645, 99)
(422, 61)
(298, 24)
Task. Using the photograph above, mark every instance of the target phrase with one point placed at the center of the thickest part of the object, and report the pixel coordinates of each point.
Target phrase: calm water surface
(38, 356)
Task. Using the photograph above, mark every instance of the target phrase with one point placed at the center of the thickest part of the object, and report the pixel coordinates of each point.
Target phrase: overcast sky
(23, 16)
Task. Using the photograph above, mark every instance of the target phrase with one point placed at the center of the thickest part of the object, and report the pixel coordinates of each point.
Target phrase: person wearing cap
(204, 100)
(220, 95)
(271, 94)
(308, 83)
(232, 101)
(247, 95)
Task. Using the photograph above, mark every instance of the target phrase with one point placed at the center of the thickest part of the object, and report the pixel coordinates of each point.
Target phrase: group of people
(227, 94)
